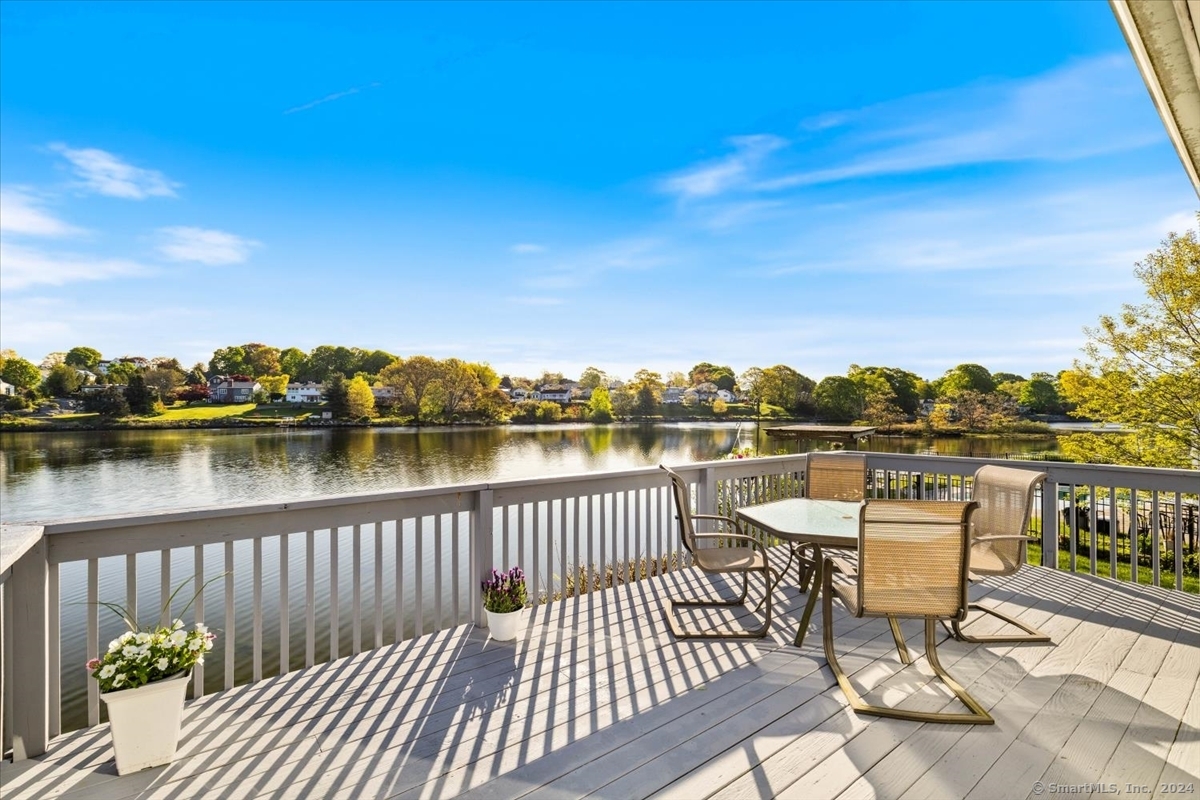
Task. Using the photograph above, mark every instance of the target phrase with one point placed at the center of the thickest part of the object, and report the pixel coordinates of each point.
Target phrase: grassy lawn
(1083, 564)
(206, 411)
(273, 411)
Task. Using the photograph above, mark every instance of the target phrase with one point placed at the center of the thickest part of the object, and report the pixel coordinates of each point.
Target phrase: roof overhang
(1161, 34)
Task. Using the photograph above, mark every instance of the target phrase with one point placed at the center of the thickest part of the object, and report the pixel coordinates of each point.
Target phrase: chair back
(683, 507)
(1005, 497)
(836, 476)
(912, 558)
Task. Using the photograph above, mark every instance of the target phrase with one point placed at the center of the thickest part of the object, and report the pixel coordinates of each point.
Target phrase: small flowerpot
(504, 626)
(145, 722)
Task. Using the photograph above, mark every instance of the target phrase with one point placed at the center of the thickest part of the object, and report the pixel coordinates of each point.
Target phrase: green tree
(141, 398)
(600, 407)
(360, 401)
(63, 381)
(292, 361)
(229, 361)
(459, 384)
(165, 380)
(624, 401)
(261, 359)
(21, 373)
(411, 379)
(122, 371)
(1040, 396)
(110, 403)
(905, 386)
(783, 386)
(324, 360)
(591, 378)
(1143, 367)
(83, 357)
(838, 398)
(197, 375)
(647, 387)
(373, 362)
(965, 378)
(337, 396)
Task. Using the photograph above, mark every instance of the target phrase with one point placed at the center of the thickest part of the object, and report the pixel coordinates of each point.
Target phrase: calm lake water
(68, 475)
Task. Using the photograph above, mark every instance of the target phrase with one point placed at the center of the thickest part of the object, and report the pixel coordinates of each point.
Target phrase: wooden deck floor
(597, 699)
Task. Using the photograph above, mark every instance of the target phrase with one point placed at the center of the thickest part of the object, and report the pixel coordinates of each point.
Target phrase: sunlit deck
(598, 699)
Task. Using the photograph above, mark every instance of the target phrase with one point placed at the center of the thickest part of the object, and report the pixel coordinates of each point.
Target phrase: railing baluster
(1179, 539)
(1155, 539)
(284, 611)
(356, 592)
(378, 561)
(537, 551)
(93, 637)
(1114, 535)
(419, 579)
(6, 669)
(400, 580)
(455, 548)
(54, 642)
(310, 605)
(229, 617)
(258, 620)
(1093, 536)
(505, 512)
(626, 558)
(334, 610)
(164, 589)
(562, 540)
(131, 592)
(437, 572)
(637, 537)
(198, 613)
(575, 571)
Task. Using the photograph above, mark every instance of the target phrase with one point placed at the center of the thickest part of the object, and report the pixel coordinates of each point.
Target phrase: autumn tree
(459, 384)
(591, 378)
(360, 401)
(274, 385)
(261, 359)
(600, 407)
(411, 380)
(647, 387)
(164, 380)
(1142, 367)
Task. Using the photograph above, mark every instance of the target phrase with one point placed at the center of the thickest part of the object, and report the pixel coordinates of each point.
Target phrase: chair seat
(729, 559)
(985, 561)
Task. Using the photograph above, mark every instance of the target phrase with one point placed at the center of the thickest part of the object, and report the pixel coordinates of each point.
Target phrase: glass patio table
(819, 523)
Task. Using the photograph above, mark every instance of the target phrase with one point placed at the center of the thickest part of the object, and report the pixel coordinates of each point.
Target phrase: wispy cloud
(589, 264)
(21, 267)
(205, 246)
(733, 171)
(526, 248)
(104, 173)
(329, 98)
(21, 213)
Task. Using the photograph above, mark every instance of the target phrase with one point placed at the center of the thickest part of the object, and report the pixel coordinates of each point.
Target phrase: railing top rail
(1162, 478)
(15, 541)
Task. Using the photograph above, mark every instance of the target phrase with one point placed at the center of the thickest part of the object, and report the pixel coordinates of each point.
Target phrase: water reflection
(62, 475)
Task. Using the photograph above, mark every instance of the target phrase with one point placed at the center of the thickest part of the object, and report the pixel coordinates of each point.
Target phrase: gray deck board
(597, 699)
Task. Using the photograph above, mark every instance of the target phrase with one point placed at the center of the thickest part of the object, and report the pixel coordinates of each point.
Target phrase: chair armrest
(835, 564)
(1007, 537)
(727, 536)
(736, 525)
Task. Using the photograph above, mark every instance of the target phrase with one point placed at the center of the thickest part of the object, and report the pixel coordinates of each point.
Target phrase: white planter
(145, 722)
(503, 627)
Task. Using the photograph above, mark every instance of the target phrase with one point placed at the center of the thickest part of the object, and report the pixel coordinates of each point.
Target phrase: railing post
(30, 583)
(481, 552)
(706, 492)
(1050, 523)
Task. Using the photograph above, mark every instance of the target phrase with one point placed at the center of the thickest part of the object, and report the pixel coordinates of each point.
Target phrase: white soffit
(1162, 36)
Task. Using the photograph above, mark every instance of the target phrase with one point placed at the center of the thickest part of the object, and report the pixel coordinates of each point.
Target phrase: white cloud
(527, 248)
(20, 213)
(21, 267)
(213, 247)
(329, 98)
(732, 171)
(104, 173)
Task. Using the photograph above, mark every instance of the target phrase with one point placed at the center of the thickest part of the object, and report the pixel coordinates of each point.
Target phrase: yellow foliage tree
(360, 401)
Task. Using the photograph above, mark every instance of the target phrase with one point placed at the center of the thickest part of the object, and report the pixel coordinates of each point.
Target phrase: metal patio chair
(736, 553)
(828, 476)
(912, 563)
(999, 538)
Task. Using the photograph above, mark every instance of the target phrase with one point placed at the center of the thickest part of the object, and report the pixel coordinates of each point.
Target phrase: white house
(518, 395)
(555, 393)
(303, 392)
(673, 395)
(383, 394)
(726, 395)
(7, 389)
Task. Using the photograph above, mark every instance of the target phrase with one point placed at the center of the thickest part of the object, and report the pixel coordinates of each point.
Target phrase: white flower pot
(145, 722)
(503, 627)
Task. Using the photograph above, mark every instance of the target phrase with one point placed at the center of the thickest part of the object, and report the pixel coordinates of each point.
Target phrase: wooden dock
(597, 699)
(836, 433)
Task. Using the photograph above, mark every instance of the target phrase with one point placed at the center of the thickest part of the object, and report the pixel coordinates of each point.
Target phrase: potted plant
(143, 678)
(504, 596)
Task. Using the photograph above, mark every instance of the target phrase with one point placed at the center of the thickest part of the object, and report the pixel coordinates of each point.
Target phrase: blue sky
(548, 186)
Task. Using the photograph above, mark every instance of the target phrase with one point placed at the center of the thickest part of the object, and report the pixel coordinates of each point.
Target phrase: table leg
(814, 591)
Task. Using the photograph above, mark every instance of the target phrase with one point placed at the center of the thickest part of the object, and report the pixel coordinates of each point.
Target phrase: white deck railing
(308, 582)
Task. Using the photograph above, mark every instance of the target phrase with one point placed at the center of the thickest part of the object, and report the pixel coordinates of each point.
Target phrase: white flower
(201, 627)
(144, 638)
(178, 638)
(107, 671)
(129, 651)
(195, 644)
(117, 681)
(114, 645)
(208, 644)
(163, 663)
(128, 636)
(200, 660)
(177, 624)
